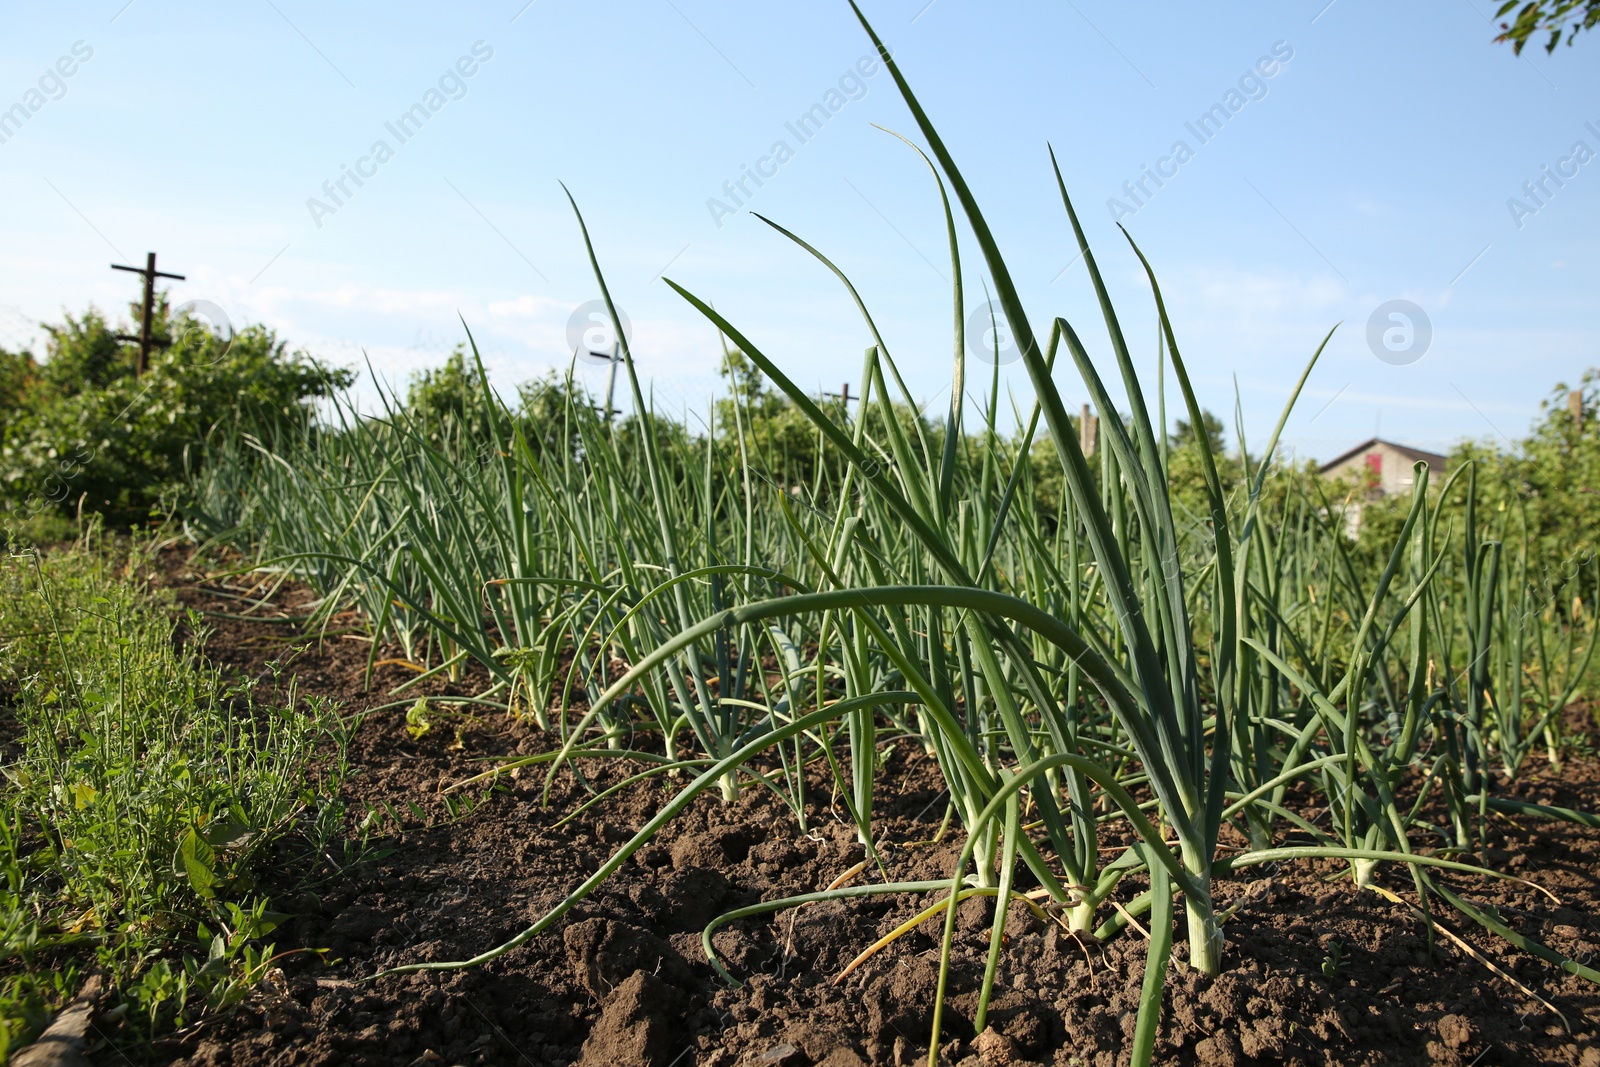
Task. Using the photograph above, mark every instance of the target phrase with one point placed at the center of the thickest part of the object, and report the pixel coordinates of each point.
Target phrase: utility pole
(611, 382)
(146, 341)
(612, 358)
(844, 396)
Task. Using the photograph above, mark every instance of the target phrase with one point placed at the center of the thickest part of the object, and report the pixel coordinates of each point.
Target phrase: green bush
(81, 432)
(1548, 487)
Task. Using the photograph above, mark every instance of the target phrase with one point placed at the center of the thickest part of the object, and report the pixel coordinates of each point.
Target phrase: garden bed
(1316, 971)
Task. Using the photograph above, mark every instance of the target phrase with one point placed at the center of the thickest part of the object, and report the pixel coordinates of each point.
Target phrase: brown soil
(623, 979)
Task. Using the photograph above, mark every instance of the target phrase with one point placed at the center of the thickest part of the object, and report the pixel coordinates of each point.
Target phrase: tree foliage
(1547, 488)
(79, 431)
(1554, 17)
(783, 446)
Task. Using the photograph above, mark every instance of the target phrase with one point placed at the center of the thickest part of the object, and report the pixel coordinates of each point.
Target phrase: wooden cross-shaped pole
(146, 341)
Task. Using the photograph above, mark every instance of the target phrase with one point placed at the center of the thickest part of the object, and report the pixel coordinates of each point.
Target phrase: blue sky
(1374, 164)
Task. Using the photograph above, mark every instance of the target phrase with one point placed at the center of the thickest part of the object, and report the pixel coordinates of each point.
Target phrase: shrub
(80, 432)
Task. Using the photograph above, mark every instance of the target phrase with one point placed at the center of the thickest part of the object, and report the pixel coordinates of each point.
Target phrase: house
(1384, 467)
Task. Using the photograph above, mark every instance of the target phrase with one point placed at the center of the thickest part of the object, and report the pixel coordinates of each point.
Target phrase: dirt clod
(995, 1049)
(900, 1002)
(636, 1025)
(605, 953)
(1454, 1031)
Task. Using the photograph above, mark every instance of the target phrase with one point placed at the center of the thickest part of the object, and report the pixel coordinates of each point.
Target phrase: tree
(779, 441)
(1184, 436)
(80, 431)
(1551, 481)
(18, 377)
(448, 403)
(785, 448)
(1547, 16)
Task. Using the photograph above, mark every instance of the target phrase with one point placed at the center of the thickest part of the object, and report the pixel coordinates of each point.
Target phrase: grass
(1144, 661)
(145, 796)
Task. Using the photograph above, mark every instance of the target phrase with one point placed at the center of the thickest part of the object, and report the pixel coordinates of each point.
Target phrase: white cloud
(528, 306)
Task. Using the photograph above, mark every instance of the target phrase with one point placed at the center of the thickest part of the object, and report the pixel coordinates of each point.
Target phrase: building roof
(1432, 459)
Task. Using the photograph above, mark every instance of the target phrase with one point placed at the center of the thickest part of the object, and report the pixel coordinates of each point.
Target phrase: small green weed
(146, 792)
